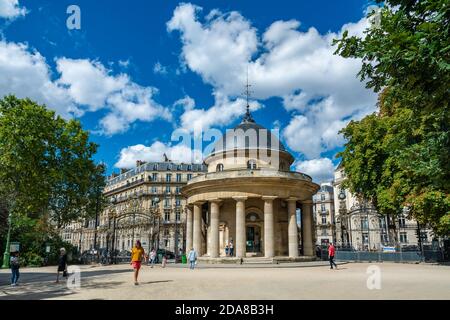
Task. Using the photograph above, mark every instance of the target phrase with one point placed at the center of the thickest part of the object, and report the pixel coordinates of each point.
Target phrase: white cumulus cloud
(321, 170)
(320, 89)
(91, 84)
(25, 73)
(221, 113)
(155, 153)
(10, 9)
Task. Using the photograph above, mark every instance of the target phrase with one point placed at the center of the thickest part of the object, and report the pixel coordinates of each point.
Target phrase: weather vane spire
(248, 117)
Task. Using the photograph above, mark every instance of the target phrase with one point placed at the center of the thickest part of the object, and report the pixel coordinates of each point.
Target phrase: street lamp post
(6, 254)
(113, 216)
(96, 220)
(154, 212)
(176, 233)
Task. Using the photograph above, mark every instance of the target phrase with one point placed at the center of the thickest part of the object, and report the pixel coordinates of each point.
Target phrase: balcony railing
(159, 180)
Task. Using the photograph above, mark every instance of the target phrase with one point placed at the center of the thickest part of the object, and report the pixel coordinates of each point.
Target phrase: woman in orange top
(137, 254)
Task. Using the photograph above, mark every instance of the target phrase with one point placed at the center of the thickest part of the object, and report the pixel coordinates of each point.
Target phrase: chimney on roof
(140, 163)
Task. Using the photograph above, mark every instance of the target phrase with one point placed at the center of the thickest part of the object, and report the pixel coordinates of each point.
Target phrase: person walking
(14, 263)
(231, 248)
(192, 257)
(62, 264)
(331, 253)
(152, 257)
(137, 255)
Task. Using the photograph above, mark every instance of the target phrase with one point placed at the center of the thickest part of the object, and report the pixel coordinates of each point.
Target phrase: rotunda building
(249, 199)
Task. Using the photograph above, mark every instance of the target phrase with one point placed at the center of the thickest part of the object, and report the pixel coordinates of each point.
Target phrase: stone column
(214, 240)
(308, 249)
(292, 228)
(189, 229)
(269, 228)
(240, 245)
(197, 242)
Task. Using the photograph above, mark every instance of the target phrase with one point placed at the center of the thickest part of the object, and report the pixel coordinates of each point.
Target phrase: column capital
(291, 199)
(216, 201)
(240, 198)
(269, 198)
(199, 203)
(307, 202)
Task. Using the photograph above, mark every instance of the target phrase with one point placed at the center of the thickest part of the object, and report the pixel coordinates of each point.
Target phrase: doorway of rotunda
(254, 236)
(254, 239)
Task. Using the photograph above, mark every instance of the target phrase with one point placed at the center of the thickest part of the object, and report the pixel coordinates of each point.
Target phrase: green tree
(46, 168)
(399, 157)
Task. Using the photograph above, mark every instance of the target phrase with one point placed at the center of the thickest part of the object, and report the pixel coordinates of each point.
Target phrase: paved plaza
(298, 281)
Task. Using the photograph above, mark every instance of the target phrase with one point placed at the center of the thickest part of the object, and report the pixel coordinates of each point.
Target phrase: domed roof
(248, 135)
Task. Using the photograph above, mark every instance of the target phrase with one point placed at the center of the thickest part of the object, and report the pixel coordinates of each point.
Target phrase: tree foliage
(399, 157)
(46, 165)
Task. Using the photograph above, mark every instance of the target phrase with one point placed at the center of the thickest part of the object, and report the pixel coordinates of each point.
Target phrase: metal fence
(407, 256)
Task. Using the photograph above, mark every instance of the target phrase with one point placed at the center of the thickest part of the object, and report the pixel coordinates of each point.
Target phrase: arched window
(251, 164)
(219, 167)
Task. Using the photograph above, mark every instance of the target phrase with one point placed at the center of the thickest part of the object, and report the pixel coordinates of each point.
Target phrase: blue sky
(138, 70)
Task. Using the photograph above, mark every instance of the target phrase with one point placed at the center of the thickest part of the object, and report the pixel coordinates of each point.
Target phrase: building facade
(146, 204)
(324, 214)
(361, 227)
(250, 199)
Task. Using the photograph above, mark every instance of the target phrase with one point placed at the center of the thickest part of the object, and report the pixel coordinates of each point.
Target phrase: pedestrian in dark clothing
(15, 266)
(62, 264)
(331, 253)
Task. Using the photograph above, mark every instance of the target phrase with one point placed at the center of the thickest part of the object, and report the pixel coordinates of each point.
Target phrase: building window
(365, 237)
(403, 237)
(189, 168)
(402, 222)
(167, 217)
(178, 202)
(424, 236)
(219, 167)
(324, 233)
(323, 208)
(382, 222)
(167, 203)
(168, 177)
(178, 177)
(177, 190)
(251, 164)
(155, 167)
(364, 223)
(383, 238)
(189, 177)
(322, 197)
(178, 216)
(324, 220)
(154, 190)
(167, 243)
(154, 177)
(167, 189)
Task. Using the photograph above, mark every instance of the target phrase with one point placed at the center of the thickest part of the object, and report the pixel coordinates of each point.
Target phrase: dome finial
(248, 116)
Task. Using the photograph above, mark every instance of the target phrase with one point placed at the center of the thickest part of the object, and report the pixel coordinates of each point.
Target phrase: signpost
(14, 247)
(388, 249)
